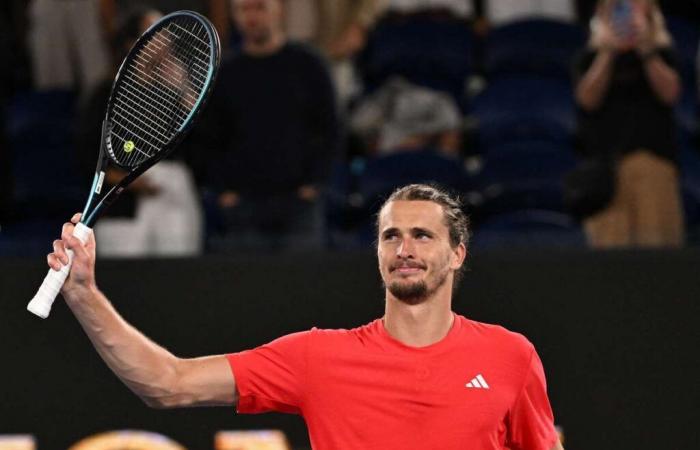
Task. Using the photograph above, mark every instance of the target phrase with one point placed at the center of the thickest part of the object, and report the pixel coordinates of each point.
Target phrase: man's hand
(82, 274)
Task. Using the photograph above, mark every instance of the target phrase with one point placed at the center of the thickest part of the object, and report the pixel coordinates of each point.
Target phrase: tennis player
(421, 377)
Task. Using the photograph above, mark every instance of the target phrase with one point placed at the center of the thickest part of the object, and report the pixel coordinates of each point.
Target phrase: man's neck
(419, 325)
(267, 47)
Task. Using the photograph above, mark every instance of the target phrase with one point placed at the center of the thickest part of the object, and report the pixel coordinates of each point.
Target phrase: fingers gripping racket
(156, 96)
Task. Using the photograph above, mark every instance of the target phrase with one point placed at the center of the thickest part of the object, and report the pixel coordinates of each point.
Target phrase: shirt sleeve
(271, 377)
(531, 422)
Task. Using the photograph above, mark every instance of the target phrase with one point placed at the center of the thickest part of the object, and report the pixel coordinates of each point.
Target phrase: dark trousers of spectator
(279, 222)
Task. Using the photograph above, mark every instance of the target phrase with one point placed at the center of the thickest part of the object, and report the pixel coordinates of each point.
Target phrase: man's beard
(409, 293)
(417, 292)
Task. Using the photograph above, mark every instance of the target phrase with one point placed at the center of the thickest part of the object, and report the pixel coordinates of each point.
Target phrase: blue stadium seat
(524, 107)
(29, 237)
(528, 229)
(524, 160)
(432, 53)
(508, 197)
(348, 220)
(691, 204)
(384, 174)
(357, 191)
(538, 46)
(40, 131)
(689, 161)
(686, 35)
(687, 113)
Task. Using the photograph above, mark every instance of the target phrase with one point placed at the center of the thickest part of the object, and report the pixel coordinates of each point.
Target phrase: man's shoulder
(344, 333)
(337, 339)
(496, 336)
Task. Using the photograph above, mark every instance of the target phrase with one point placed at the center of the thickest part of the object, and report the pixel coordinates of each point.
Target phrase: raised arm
(593, 85)
(159, 378)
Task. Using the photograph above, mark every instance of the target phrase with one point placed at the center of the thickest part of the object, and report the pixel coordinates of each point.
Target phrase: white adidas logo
(478, 382)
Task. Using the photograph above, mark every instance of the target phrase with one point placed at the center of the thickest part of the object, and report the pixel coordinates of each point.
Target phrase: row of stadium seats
(523, 131)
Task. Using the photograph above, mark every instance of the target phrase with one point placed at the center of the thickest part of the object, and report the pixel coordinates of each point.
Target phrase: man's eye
(423, 236)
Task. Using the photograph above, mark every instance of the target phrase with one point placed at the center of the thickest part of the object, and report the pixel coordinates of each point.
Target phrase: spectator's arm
(593, 85)
(663, 79)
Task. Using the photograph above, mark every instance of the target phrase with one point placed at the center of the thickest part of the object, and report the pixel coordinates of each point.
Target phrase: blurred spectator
(626, 87)
(273, 122)
(501, 12)
(339, 29)
(114, 11)
(67, 44)
(405, 117)
(463, 9)
(159, 214)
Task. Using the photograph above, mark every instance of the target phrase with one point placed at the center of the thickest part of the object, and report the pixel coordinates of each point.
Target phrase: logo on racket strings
(129, 146)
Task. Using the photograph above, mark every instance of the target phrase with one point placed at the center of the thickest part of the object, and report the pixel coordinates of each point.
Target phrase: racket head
(160, 88)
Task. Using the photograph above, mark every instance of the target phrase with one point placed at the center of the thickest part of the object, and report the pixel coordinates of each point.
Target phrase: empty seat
(524, 160)
(40, 131)
(384, 174)
(524, 107)
(432, 53)
(528, 229)
(537, 46)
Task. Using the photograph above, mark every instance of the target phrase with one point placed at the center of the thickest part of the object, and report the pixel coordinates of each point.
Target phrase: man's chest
(457, 396)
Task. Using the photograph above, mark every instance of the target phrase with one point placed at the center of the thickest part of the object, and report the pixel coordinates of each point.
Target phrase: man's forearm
(147, 369)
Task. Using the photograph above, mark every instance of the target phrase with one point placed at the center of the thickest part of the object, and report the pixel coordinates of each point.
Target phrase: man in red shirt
(420, 377)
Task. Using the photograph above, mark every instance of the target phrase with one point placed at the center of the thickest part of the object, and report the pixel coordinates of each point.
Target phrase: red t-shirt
(481, 387)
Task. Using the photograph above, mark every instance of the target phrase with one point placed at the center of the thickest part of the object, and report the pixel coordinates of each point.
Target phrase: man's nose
(405, 249)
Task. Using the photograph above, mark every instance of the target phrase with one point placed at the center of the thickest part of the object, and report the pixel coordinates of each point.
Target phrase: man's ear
(459, 256)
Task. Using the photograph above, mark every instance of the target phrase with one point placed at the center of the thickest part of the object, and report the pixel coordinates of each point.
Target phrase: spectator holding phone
(626, 87)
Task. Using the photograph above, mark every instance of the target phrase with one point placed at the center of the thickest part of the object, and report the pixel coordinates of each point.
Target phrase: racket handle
(45, 296)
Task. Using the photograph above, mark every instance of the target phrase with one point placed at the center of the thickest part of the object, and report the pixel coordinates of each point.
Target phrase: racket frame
(98, 201)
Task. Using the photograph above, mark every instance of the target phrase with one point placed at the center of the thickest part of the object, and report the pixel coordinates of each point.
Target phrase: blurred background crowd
(562, 123)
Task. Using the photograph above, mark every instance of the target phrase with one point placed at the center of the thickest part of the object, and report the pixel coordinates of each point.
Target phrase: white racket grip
(45, 296)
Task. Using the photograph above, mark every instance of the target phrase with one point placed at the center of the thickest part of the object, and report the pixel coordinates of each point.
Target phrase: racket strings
(159, 88)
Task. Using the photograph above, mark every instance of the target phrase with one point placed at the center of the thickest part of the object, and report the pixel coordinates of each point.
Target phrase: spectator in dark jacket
(272, 125)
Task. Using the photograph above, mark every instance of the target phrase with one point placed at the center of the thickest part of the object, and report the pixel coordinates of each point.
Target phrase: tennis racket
(160, 88)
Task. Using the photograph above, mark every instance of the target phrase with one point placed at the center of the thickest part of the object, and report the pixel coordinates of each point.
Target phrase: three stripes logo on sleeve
(478, 382)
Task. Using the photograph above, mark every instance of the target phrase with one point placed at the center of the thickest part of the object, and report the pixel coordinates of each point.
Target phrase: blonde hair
(660, 35)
